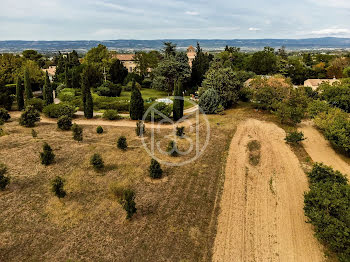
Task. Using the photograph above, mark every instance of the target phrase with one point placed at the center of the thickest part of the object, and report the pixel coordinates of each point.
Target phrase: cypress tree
(89, 104)
(47, 90)
(178, 106)
(19, 94)
(86, 82)
(67, 78)
(136, 103)
(27, 85)
(200, 66)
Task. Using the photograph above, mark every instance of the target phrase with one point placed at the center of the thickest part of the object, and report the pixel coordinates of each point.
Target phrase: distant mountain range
(207, 44)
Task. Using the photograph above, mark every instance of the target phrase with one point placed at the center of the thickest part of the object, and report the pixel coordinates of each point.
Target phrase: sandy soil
(320, 150)
(262, 216)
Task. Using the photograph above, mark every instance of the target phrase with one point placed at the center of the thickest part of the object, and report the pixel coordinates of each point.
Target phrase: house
(128, 61)
(191, 54)
(51, 71)
(315, 83)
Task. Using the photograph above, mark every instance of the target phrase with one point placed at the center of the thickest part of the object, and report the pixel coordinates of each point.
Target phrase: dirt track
(262, 215)
(320, 150)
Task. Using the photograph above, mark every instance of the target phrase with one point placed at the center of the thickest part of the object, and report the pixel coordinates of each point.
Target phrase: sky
(172, 19)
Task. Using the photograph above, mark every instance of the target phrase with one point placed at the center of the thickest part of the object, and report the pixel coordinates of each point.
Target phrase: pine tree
(27, 85)
(200, 66)
(87, 83)
(128, 203)
(178, 106)
(47, 157)
(57, 187)
(77, 132)
(155, 171)
(47, 90)
(136, 103)
(67, 79)
(19, 94)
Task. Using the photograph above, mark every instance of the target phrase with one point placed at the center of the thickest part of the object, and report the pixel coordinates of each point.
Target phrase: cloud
(254, 29)
(331, 31)
(191, 13)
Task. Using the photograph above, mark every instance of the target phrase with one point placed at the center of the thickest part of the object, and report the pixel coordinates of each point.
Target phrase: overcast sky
(153, 19)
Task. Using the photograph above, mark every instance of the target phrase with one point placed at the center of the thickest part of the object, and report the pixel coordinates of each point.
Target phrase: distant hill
(212, 44)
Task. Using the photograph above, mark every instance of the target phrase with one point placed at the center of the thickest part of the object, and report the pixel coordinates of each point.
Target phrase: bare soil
(262, 216)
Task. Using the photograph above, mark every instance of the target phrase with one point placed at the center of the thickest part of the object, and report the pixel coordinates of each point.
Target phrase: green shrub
(337, 95)
(4, 115)
(121, 143)
(180, 131)
(4, 181)
(109, 89)
(128, 87)
(97, 162)
(294, 137)
(209, 101)
(58, 110)
(64, 123)
(37, 103)
(140, 128)
(155, 171)
(172, 149)
(29, 117)
(104, 103)
(77, 132)
(67, 94)
(57, 187)
(99, 130)
(161, 107)
(47, 156)
(327, 208)
(128, 203)
(317, 106)
(34, 133)
(111, 115)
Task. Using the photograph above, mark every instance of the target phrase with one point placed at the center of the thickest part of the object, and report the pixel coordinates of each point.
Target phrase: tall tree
(67, 78)
(27, 85)
(47, 90)
(200, 66)
(19, 94)
(169, 49)
(136, 103)
(88, 81)
(178, 106)
(264, 62)
(117, 71)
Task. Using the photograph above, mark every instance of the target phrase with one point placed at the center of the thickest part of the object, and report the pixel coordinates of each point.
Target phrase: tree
(47, 156)
(145, 61)
(19, 94)
(178, 105)
(117, 71)
(169, 49)
(97, 162)
(57, 187)
(27, 85)
(77, 132)
(4, 115)
(172, 148)
(140, 128)
(136, 104)
(67, 78)
(209, 101)
(88, 81)
(200, 66)
(99, 130)
(128, 202)
(264, 62)
(47, 91)
(4, 180)
(64, 123)
(155, 171)
(29, 117)
(121, 143)
(97, 55)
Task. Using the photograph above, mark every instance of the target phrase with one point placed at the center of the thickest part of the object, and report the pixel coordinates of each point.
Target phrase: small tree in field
(57, 187)
(97, 162)
(128, 203)
(19, 94)
(122, 144)
(180, 131)
(4, 181)
(136, 103)
(99, 130)
(47, 157)
(34, 133)
(140, 128)
(29, 117)
(77, 132)
(172, 148)
(64, 123)
(155, 171)
(294, 137)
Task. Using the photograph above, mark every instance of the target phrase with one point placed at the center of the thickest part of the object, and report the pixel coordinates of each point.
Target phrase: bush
(34, 133)
(67, 94)
(140, 128)
(327, 208)
(4, 115)
(209, 101)
(128, 203)
(111, 115)
(77, 132)
(47, 157)
(161, 107)
(294, 137)
(121, 143)
(58, 110)
(97, 162)
(64, 123)
(155, 171)
(337, 95)
(105, 103)
(128, 87)
(57, 187)
(317, 106)
(180, 131)
(29, 117)
(172, 148)
(99, 130)
(109, 89)
(4, 181)
(37, 103)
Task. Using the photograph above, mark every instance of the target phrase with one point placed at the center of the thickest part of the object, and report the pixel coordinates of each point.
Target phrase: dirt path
(320, 150)
(262, 216)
